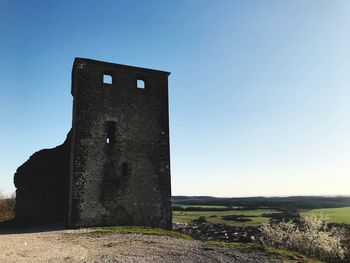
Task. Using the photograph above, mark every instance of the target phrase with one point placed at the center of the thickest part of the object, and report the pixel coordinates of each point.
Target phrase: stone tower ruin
(120, 164)
(115, 163)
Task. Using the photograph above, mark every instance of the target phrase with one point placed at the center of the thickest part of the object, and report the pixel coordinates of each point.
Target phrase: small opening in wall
(107, 79)
(110, 132)
(140, 84)
(125, 169)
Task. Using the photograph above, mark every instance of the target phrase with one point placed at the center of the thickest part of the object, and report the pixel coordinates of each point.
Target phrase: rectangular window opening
(107, 79)
(125, 169)
(110, 132)
(140, 84)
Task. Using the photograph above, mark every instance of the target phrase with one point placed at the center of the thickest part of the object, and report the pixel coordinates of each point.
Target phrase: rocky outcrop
(42, 185)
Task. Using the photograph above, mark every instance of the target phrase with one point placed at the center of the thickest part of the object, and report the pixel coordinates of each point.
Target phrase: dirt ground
(61, 245)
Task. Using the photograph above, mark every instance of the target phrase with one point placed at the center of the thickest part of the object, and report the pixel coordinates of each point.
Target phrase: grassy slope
(139, 230)
(335, 215)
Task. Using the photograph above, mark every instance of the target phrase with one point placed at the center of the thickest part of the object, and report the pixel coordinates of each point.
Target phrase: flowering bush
(312, 237)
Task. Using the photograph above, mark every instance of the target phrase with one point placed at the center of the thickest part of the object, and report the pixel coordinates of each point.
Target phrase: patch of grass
(290, 255)
(334, 215)
(202, 206)
(216, 217)
(139, 230)
(284, 255)
(233, 245)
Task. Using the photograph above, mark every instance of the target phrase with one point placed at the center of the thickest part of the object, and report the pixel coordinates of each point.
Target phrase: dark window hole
(110, 132)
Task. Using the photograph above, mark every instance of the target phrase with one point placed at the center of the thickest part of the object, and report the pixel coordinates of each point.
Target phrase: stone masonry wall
(120, 163)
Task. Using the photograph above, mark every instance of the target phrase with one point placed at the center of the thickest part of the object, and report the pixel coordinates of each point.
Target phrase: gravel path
(78, 246)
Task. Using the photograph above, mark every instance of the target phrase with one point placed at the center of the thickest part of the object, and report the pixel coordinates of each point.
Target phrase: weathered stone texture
(120, 164)
(42, 186)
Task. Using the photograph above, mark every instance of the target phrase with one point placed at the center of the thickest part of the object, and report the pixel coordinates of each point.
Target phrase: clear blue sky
(259, 90)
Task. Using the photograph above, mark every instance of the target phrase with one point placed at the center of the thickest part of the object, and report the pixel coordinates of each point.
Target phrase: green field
(215, 217)
(335, 215)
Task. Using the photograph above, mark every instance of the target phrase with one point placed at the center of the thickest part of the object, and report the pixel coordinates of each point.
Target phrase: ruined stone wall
(42, 184)
(120, 163)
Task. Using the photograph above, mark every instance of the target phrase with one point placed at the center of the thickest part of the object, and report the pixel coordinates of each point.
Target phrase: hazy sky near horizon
(259, 90)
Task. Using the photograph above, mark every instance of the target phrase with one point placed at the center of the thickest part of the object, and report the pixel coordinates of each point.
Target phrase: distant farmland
(335, 215)
(252, 211)
(248, 217)
(290, 204)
